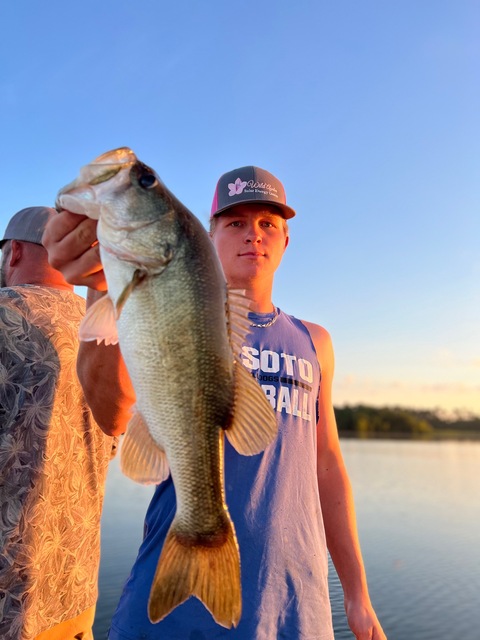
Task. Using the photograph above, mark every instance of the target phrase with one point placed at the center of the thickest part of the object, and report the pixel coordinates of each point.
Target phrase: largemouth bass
(180, 332)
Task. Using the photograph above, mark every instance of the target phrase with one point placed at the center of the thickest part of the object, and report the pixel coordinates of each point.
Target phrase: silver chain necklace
(264, 325)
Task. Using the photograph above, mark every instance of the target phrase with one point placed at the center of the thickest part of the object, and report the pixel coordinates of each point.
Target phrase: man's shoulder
(322, 342)
(8, 293)
(29, 309)
(317, 331)
(29, 296)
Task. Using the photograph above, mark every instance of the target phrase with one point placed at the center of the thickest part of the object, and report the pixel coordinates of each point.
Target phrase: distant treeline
(363, 421)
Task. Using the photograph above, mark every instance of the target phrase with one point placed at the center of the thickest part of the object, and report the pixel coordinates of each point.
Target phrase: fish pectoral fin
(138, 277)
(209, 571)
(99, 323)
(238, 306)
(141, 458)
(254, 424)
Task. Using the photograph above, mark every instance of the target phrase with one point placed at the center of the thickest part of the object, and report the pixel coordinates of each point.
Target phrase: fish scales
(179, 331)
(185, 318)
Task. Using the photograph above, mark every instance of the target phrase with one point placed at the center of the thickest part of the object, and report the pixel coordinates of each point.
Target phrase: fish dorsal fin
(99, 323)
(141, 458)
(254, 424)
(238, 306)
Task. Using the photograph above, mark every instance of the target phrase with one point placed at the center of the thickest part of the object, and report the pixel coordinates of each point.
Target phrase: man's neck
(260, 298)
(41, 278)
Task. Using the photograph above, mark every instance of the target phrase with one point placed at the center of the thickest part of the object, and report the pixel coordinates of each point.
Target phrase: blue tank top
(274, 503)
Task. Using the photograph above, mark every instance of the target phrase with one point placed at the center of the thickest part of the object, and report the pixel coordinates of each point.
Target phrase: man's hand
(364, 622)
(71, 242)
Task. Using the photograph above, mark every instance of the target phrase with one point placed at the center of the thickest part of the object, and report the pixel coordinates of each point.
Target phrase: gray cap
(247, 185)
(28, 225)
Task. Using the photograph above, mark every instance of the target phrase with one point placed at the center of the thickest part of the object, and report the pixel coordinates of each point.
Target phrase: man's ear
(15, 253)
(287, 240)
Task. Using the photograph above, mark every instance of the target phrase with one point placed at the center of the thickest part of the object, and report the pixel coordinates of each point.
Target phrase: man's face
(250, 241)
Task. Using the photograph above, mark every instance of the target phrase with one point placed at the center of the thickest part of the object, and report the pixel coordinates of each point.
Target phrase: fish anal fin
(141, 458)
(99, 323)
(254, 425)
(209, 571)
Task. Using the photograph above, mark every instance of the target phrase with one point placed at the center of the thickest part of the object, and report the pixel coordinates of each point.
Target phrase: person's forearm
(105, 382)
(341, 531)
(344, 547)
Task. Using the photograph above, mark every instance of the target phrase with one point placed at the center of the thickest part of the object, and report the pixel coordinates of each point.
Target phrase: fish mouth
(107, 166)
(83, 195)
(121, 156)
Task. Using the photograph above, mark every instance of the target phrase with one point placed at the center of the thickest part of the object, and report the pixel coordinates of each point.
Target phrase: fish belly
(176, 349)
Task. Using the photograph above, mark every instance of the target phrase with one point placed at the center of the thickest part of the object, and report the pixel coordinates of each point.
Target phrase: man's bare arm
(105, 382)
(337, 503)
(71, 242)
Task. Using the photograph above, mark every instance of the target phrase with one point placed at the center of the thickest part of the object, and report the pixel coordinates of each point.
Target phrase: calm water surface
(418, 512)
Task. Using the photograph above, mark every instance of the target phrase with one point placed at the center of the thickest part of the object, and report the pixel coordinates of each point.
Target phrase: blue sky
(368, 111)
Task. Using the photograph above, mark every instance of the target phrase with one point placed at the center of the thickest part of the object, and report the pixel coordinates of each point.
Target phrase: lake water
(418, 513)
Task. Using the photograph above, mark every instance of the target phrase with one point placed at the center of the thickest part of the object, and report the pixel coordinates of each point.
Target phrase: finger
(365, 634)
(86, 270)
(95, 281)
(378, 634)
(62, 224)
(67, 236)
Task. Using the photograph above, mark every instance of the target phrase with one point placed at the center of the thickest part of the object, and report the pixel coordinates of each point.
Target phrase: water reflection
(418, 511)
(418, 508)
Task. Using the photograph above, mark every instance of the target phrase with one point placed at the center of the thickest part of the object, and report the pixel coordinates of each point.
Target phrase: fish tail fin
(208, 569)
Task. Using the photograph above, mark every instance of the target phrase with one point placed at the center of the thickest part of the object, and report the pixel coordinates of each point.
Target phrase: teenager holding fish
(287, 503)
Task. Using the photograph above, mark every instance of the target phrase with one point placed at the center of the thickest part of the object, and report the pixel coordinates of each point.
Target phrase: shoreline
(437, 435)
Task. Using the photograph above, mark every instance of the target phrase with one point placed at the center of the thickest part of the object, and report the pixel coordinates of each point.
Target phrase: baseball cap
(28, 225)
(249, 184)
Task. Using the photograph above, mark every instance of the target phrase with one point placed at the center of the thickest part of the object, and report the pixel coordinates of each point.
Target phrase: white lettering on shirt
(293, 399)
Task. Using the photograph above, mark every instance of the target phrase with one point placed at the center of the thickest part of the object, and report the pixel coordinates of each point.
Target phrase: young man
(53, 457)
(288, 503)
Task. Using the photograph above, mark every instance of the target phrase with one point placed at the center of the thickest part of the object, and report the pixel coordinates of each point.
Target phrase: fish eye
(147, 180)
